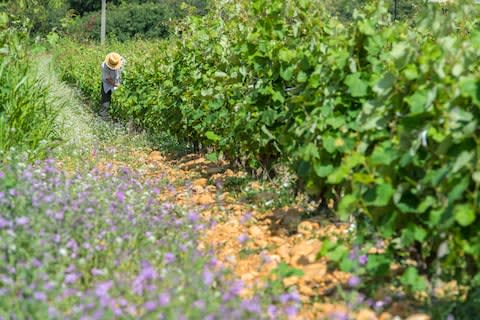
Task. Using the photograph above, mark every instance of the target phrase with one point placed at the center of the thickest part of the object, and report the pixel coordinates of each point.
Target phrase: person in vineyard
(111, 79)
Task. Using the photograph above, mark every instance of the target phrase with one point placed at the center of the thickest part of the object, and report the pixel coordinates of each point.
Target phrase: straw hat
(113, 60)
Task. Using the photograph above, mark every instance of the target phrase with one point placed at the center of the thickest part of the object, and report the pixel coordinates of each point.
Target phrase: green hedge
(375, 114)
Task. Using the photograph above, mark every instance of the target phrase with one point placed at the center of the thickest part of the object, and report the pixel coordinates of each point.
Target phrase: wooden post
(103, 22)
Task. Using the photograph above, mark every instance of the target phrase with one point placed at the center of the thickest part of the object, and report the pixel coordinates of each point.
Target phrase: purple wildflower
(70, 278)
(242, 238)
(48, 198)
(117, 311)
(208, 277)
(97, 315)
(214, 262)
(26, 175)
(183, 247)
(2, 175)
(21, 221)
(291, 311)
(272, 311)
(6, 280)
(352, 255)
(284, 297)
(4, 223)
(97, 272)
(57, 238)
(52, 312)
(139, 285)
(354, 281)
(199, 304)
(233, 291)
(164, 299)
(246, 218)
(71, 268)
(49, 286)
(102, 288)
(338, 315)
(40, 296)
(236, 287)
(150, 306)
(71, 244)
(378, 304)
(36, 263)
(169, 258)
(363, 259)
(212, 223)
(290, 296)
(192, 216)
(360, 298)
(120, 196)
(132, 310)
(369, 302)
(58, 215)
(148, 271)
(122, 302)
(294, 296)
(252, 305)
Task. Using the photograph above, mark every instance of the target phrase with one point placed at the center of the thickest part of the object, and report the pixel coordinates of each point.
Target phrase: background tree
(42, 16)
(85, 6)
(136, 19)
(81, 18)
(343, 9)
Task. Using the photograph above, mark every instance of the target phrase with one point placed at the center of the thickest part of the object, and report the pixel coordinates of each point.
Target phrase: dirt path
(271, 249)
(262, 247)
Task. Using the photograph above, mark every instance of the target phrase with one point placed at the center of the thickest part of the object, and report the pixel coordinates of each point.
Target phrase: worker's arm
(110, 81)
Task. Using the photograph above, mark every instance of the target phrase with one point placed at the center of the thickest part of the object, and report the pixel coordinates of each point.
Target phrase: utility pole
(103, 22)
(395, 9)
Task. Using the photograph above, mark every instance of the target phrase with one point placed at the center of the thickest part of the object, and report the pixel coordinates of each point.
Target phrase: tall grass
(26, 114)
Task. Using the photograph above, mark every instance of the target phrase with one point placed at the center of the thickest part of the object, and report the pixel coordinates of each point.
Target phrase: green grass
(27, 115)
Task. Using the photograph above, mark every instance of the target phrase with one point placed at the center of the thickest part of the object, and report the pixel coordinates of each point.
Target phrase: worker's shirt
(107, 73)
